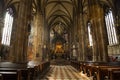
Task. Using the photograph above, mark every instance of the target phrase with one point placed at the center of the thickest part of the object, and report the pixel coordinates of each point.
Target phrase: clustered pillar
(21, 41)
(97, 21)
(38, 36)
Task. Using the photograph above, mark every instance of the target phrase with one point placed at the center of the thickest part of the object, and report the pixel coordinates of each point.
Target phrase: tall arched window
(6, 35)
(90, 35)
(112, 38)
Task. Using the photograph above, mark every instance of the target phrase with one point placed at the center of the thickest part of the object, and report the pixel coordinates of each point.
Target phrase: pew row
(99, 70)
(15, 71)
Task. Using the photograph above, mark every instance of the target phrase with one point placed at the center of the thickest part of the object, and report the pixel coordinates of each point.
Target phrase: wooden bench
(41, 68)
(100, 71)
(1, 77)
(16, 71)
(13, 71)
(89, 67)
(9, 75)
(108, 72)
(76, 64)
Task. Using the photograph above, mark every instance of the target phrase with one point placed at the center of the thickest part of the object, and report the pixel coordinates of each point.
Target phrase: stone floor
(63, 72)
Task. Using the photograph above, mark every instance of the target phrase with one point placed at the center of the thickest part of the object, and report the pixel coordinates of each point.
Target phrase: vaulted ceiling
(57, 12)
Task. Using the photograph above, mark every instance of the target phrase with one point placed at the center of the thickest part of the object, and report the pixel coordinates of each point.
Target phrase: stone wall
(113, 52)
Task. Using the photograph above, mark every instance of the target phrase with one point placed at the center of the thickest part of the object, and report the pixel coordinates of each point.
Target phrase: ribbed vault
(58, 11)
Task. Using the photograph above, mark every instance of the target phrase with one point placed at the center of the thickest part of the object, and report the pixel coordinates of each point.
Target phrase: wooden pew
(1, 77)
(17, 71)
(114, 74)
(108, 72)
(76, 64)
(43, 67)
(40, 69)
(31, 73)
(13, 71)
(100, 71)
(9, 75)
(89, 67)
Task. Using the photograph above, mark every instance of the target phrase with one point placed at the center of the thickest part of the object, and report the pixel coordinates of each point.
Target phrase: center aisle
(63, 72)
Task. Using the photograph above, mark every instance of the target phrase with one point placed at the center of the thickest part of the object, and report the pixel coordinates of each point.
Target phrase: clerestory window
(8, 22)
(90, 35)
(110, 26)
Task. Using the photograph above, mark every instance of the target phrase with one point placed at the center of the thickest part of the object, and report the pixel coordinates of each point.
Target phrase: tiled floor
(63, 72)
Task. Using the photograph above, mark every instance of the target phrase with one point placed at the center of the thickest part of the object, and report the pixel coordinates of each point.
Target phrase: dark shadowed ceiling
(57, 12)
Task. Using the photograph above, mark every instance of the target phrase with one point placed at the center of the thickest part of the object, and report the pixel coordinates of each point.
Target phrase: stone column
(1, 21)
(38, 36)
(70, 43)
(75, 50)
(78, 30)
(118, 26)
(82, 37)
(99, 40)
(103, 36)
(46, 40)
(93, 18)
(82, 34)
(1, 27)
(12, 48)
(22, 31)
(117, 16)
(12, 52)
